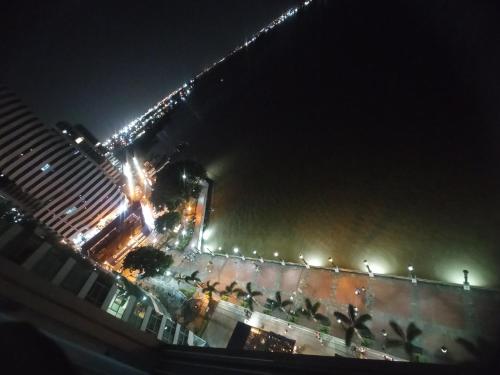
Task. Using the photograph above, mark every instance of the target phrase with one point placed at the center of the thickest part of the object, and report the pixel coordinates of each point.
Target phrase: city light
(147, 213)
(140, 171)
(127, 171)
(136, 128)
(207, 233)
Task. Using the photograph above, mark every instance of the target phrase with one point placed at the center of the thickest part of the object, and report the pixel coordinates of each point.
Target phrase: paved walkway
(307, 340)
(443, 312)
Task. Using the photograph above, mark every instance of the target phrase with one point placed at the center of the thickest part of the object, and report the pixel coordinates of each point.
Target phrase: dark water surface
(355, 134)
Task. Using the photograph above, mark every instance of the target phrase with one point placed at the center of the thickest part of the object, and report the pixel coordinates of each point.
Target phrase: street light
(370, 272)
(412, 274)
(301, 257)
(254, 252)
(444, 349)
(184, 176)
(236, 250)
(466, 280)
(276, 254)
(336, 268)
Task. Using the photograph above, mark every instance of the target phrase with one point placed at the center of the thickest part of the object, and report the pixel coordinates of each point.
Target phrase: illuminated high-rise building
(52, 177)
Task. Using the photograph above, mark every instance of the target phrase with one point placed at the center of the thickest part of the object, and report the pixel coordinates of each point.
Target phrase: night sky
(102, 63)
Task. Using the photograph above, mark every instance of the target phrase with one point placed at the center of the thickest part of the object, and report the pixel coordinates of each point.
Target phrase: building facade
(51, 179)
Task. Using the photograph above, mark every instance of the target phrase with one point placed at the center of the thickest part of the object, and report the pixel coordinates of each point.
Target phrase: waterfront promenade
(443, 311)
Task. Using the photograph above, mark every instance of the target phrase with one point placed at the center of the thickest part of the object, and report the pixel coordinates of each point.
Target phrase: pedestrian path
(443, 312)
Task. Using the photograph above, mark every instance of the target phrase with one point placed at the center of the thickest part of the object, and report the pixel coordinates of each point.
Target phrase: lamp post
(370, 272)
(466, 280)
(412, 274)
(335, 267)
(301, 257)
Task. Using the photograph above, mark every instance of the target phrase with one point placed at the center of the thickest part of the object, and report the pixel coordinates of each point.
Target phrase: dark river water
(345, 158)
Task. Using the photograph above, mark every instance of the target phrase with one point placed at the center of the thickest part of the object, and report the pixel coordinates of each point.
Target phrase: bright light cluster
(137, 127)
(127, 171)
(15, 215)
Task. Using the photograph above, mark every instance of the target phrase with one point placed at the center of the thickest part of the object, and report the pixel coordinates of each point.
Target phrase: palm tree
(179, 277)
(249, 295)
(483, 350)
(193, 278)
(210, 289)
(353, 325)
(310, 311)
(406, 339)
(278, 303)
(230, 289)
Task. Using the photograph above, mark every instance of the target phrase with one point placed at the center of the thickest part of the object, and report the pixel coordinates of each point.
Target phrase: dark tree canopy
(167, 221)
(177, 181)
(148, 260)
